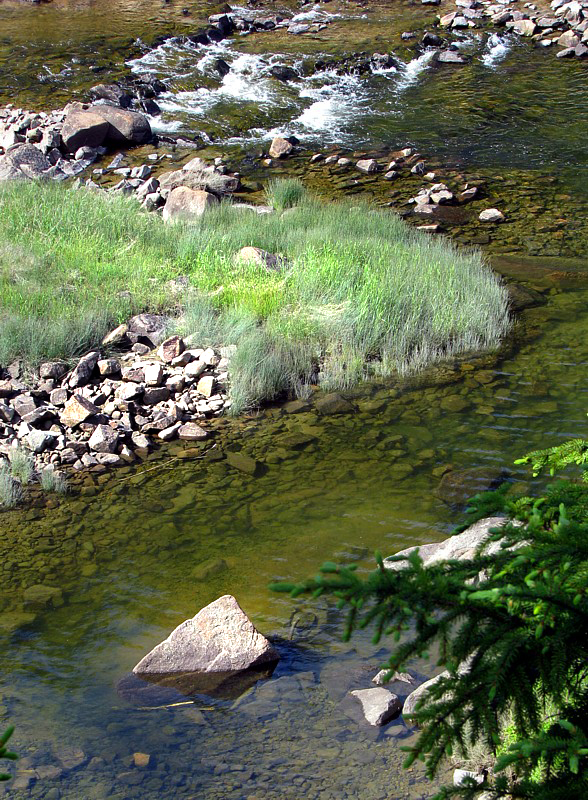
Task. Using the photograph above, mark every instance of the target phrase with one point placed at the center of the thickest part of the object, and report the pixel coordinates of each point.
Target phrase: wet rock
(491, 215)
(454, 403)
(220, 638)
(334, 403)
(243, 463)
(379, 705)
(451, 57)
(209, 569)
(141, 760)
(432, 40)
(71, 758)
(457, 486)
(12, 621)
(38, 597)
(280, 147)
(283, 73)
(111, 92)
(521, 297)
(184, 203)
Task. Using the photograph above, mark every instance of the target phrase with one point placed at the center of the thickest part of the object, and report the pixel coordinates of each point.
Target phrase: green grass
(21, 466)
(10, 490)
(53, 481)
(364, 292)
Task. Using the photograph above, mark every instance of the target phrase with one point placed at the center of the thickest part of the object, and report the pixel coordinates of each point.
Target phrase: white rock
(491, 215)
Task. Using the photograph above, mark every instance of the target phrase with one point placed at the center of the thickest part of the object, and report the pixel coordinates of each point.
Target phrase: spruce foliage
(5, 753)
(510, 625)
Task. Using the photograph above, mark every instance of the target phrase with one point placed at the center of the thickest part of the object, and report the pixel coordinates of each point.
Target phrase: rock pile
(106, 411)
(566, 27)
(62, 144)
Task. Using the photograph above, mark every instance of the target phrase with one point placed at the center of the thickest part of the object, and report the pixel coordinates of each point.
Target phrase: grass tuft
(21, 465)
(53, 481)
(10, 489)
(285, 193)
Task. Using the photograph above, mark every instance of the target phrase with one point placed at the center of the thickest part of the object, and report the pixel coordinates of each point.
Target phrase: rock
(124, 126)
(419, 694)
(30, 156)
(206, 385)
(379, 705)
(38, 597)
(194, 369)
(39, 441)
(112, 93)
(171, 348)
(491, 215)
(53, 369)
(147, 327)
(255, 255)
(367, 165)
(333, 403)
(455, 403)
(209, 569)
(568, 39)
(220, 638)
(524, 27)
(71, 758)
(108, 366)
(283, 73)
(153, 374)
(457, 486)
(77, 410)
(462, 777)
(184, 203)
(115, 336)
(83, 129)
(154, 395)
(521, 297)
(141, 760)
(432, 40)
(280, 147)
(243, 463)
(200, 177)
(104, 439)
(83, 370)
(190, 431)
(12, 621)
(569, 52)
(450, 57)
(404, 677)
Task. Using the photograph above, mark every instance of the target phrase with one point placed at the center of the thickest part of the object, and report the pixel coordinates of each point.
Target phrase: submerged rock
(457, 486)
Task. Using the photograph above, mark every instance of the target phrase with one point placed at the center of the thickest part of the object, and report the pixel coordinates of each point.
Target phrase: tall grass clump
(21, 465)
(10, 489)
(362, 292)
(285, 193)
(53, 481)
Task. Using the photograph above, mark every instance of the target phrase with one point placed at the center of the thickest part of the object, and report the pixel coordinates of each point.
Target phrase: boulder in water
(219, 639)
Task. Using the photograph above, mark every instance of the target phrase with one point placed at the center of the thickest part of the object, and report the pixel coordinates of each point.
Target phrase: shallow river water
(137, 552)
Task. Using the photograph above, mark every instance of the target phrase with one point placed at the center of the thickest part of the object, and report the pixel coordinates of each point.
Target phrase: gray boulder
(220, 638)
(124, 126)
(379, 705)
(83, 128)
(414, 698)
(27, 155)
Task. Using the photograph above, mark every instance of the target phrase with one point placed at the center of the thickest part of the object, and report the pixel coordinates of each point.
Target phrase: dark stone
(432, 40)
(112, 93)
(283, 73)
(458, 486)
(221, 66)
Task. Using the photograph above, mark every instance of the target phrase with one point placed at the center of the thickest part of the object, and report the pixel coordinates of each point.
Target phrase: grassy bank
(362, 291)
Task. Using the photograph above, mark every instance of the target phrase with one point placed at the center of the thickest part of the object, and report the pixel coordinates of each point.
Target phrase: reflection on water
(140, 555)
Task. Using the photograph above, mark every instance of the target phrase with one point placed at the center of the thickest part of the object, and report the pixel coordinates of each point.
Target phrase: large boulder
(379, 705)
(186, 204)
(219, 639)
(83, 128)
(27, 155)
(125, 127)
(462, 545)
(206, 178)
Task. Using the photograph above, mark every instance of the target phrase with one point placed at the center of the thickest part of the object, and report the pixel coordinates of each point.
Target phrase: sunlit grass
(363, 292)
